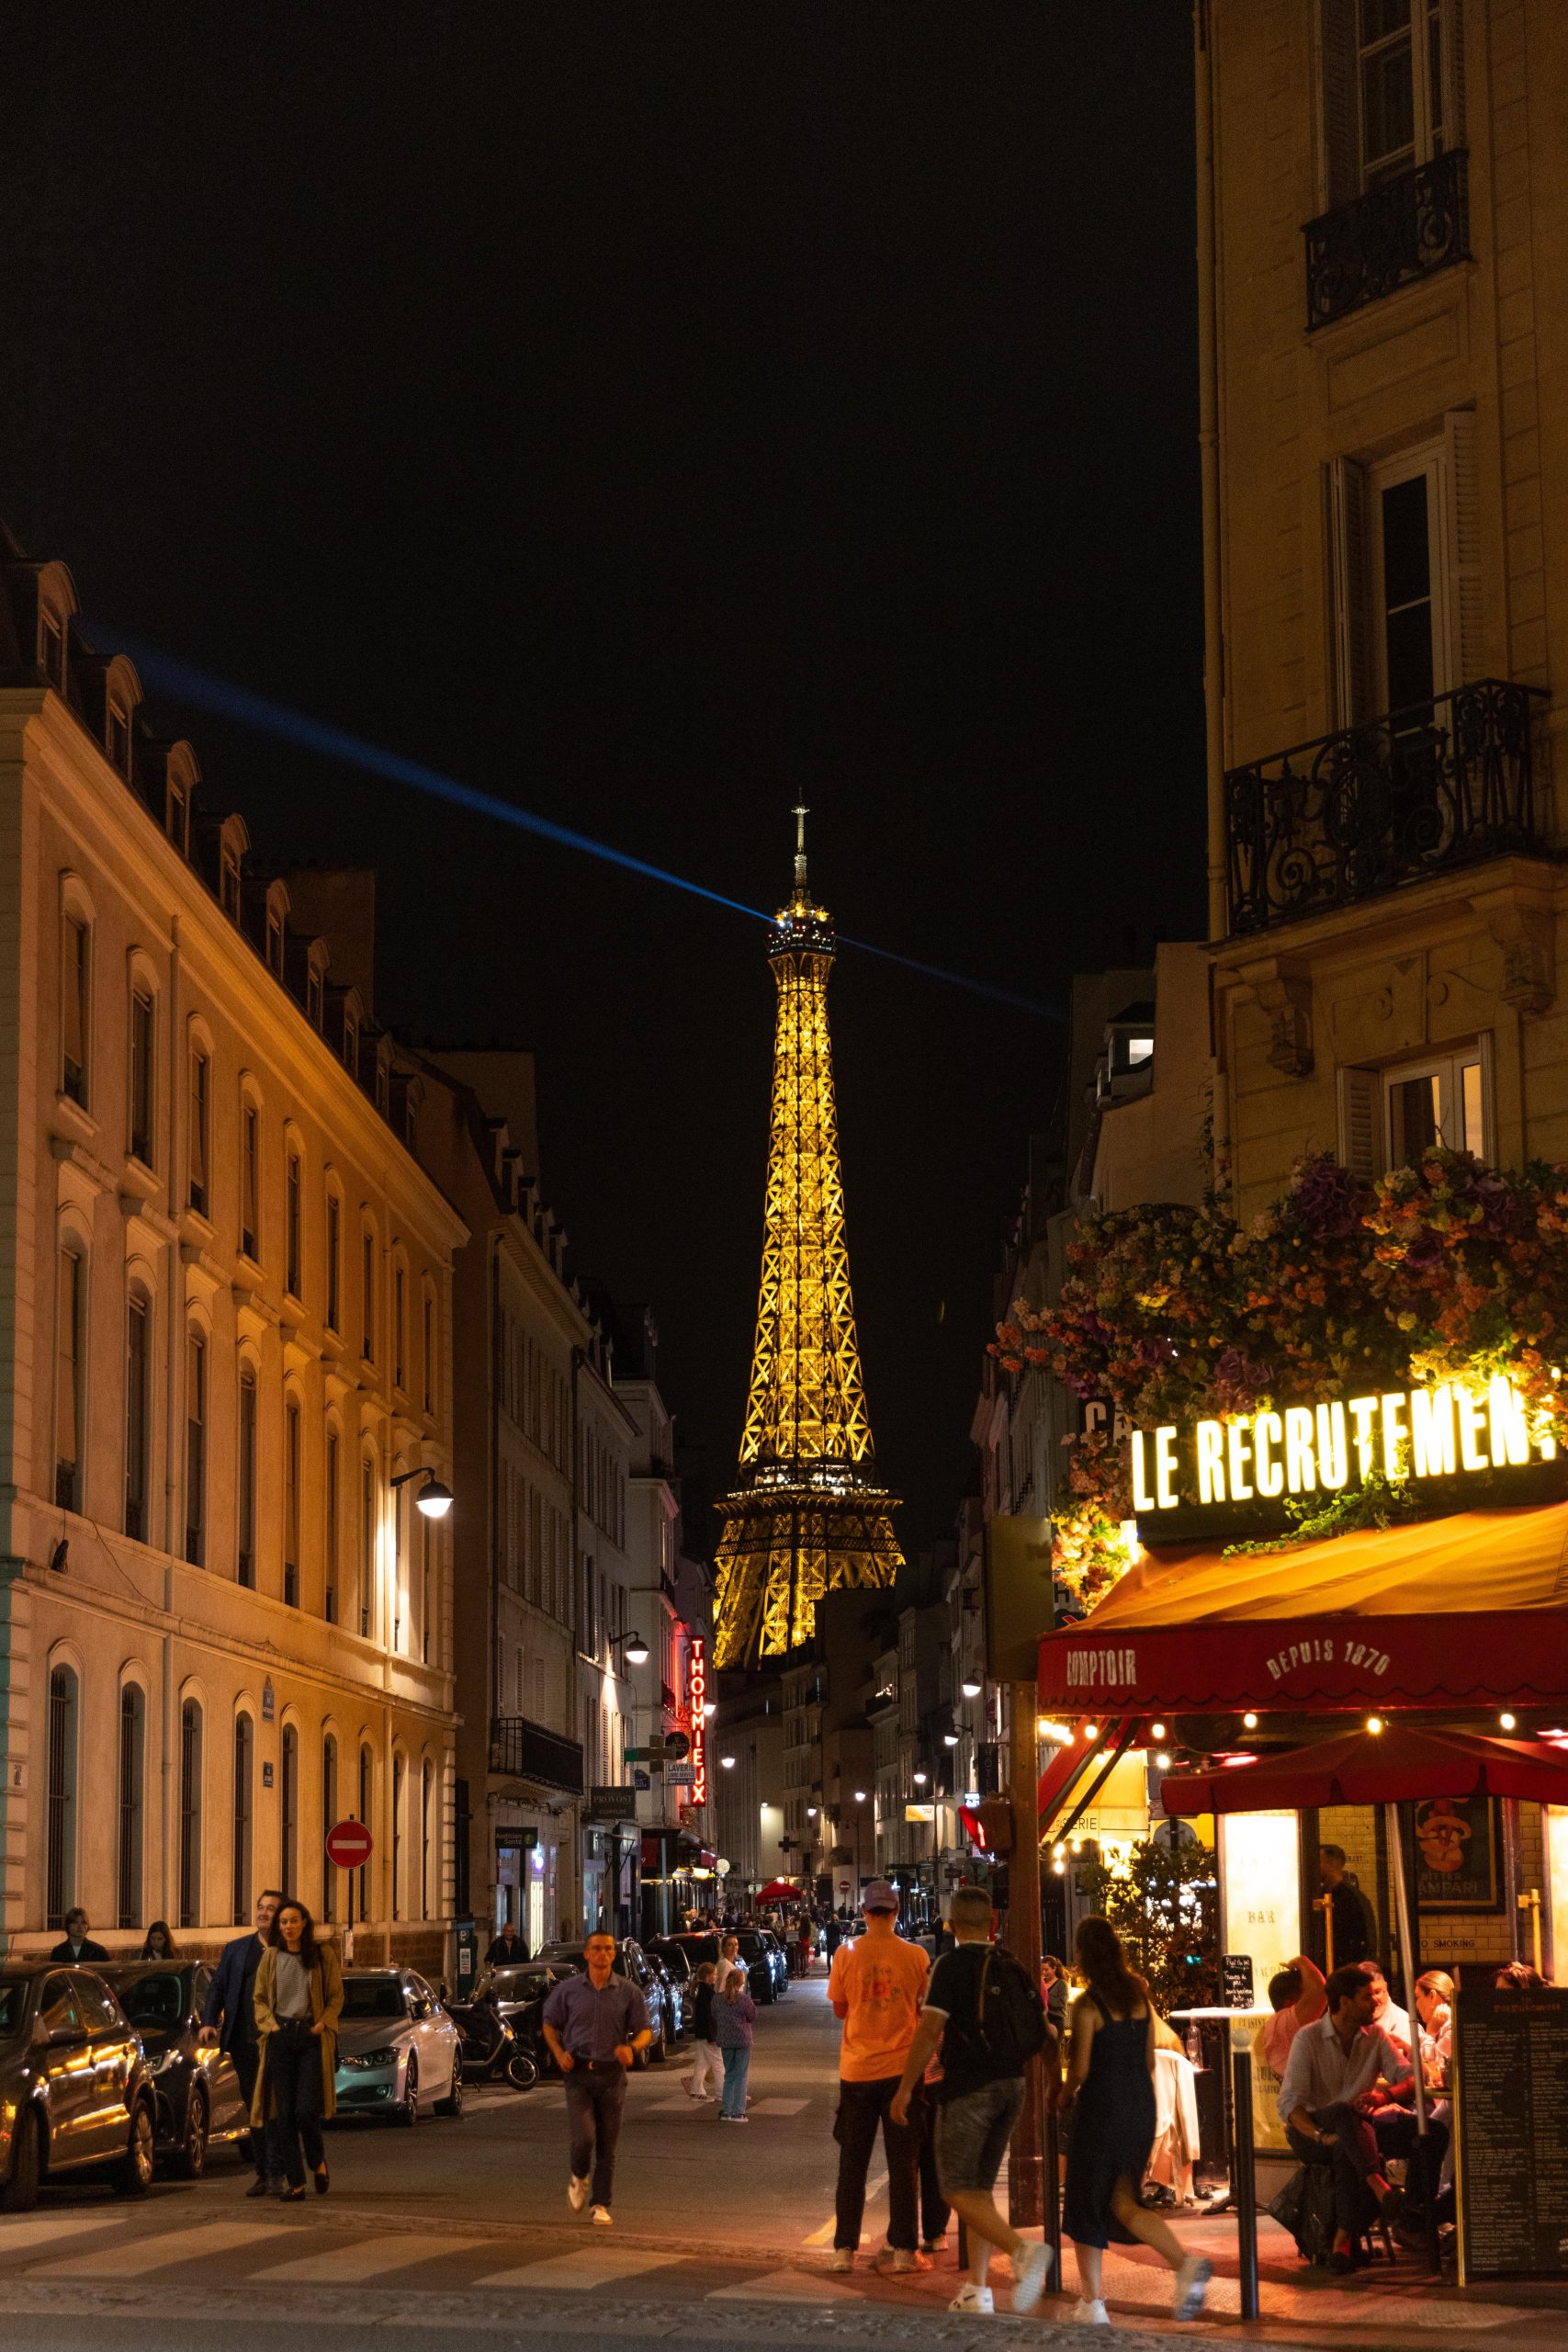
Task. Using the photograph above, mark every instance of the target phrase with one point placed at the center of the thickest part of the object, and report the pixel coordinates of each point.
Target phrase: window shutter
(1450, 55)
(1348, 533)
(1466, 646)
(1340, 141)
(1360, 1113)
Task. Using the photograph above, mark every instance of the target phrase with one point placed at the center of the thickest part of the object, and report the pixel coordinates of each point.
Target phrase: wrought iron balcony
(526, 1751)
(1356, 814)
(1401, 229)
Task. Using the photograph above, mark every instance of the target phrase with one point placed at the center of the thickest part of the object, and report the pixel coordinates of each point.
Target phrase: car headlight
(365, 2060)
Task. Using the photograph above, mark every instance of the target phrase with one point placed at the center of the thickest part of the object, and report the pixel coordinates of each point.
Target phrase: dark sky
(653, 415)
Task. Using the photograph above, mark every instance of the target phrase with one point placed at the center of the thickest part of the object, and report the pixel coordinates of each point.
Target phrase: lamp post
(860, 1817)
(434, 1498)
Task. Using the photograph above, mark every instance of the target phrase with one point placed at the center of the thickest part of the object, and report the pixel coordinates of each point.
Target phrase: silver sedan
(397, 2048)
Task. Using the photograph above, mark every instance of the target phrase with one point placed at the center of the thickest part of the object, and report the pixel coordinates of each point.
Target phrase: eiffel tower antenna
(806, 1516)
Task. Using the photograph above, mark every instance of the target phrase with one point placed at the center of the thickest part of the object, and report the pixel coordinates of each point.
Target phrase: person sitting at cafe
(1517, 1977)
(1387, 2015)
(1331, 2080)
(1295, 1995)
(1435, 2016)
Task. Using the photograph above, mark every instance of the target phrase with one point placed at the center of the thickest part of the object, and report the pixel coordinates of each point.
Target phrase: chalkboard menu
(1236, 1979)
(1511, 2108)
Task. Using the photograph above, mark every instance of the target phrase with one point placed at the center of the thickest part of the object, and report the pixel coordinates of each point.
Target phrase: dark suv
(75, 2092)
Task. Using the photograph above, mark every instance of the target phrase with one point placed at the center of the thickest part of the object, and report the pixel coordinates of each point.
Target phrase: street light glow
(434, 1498)
(971, 1689)
(636, 1650)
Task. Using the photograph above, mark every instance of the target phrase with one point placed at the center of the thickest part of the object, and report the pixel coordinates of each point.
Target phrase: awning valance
(1471, 1609)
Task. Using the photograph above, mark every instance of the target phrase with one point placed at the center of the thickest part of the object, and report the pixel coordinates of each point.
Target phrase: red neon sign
(697, 1691)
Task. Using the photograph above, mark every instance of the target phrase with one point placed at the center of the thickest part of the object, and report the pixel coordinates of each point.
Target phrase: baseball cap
(879, 1896)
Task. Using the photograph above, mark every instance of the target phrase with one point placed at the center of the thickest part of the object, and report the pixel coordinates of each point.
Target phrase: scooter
(491, 2051)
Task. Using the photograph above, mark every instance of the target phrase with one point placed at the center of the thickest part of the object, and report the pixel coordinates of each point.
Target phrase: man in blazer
(228, 2017)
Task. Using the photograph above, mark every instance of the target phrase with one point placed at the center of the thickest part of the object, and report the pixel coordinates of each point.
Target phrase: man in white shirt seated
(1387, 2015)
(1329, 2088)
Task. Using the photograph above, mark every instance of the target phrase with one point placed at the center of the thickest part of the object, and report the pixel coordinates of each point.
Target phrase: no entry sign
(349, 1845)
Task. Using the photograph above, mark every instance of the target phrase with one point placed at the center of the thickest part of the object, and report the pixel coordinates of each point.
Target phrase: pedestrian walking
(875, 1985)
(707, 2058)
(595, 2023)
(807, 1944)
(299, 1998)
(735, 2014)
(729, 1961)
(76, 1945)
(158, 1943)
(229, 2018)
(986, 2020)
(1111, 2088)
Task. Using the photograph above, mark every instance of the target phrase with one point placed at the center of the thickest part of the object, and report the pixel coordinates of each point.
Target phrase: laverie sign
(1425, 1433)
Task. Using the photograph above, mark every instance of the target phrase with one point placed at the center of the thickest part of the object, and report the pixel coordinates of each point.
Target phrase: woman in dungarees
(1111, 2090)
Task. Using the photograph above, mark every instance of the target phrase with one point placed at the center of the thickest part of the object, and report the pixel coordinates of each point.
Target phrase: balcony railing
(1401, 229)
(526, 1751)
(1356, 814)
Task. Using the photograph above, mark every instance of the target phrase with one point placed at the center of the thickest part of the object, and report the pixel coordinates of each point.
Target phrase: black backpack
(1011, 2012)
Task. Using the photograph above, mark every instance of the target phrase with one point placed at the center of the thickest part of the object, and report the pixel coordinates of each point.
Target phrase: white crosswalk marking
(366, 2259)
(785, 2287)
(824, 2236)
(586, 2266)
(193, 2244)
(778, 2106)
(43, 2229)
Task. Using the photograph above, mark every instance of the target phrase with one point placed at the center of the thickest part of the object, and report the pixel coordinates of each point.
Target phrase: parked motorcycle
(491, 2051)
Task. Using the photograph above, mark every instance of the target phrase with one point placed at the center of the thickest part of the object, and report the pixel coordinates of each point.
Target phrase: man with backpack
(990, 2019)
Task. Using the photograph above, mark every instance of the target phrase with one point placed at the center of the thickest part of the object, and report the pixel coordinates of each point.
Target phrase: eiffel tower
(806, 1516)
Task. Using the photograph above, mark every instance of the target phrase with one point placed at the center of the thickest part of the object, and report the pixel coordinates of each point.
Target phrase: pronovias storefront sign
(1447, 1433)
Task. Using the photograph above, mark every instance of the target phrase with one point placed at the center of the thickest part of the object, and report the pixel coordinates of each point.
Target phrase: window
(200, 1116)
(1399, 78)
(294, 1277)
(367, 1542)
(77, 1008)
(400, 1285)
(116, 738)
(1387, 1118)
(429, 1360)
(329, 1822)
(175, 818)
(275, 957)
(313, 997)
(426, 1538)
(190, 1814)
(365, 1768)
(250, 1181)
(142, 1076)
(367, 1294)
(292, 1503)
(398, 1778)
(246, 1563)
(1405, 564)
(61, 1891)
(138, 1368)
(132, 1745)
(196, 1447)
(333, 1517)
(244, 1770)
(52, 642)
(228, 888)
(288, 1806)
(426, 1779)
(351, 1042)
(334, 1262)
(69, 1370)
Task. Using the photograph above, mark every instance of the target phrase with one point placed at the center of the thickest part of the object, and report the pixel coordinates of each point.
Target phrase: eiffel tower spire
(806, 1516)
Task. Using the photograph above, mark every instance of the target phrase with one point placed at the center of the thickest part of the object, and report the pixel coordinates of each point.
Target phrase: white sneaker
(843, 2258)
(971, 2298)
(1090, 2315)
(1192, 2285)
(576, 2193)
(1029, 2272)
(601, 2214)
(901, 2259)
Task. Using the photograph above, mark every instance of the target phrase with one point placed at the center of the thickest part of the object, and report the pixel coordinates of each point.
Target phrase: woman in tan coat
(299, 1997)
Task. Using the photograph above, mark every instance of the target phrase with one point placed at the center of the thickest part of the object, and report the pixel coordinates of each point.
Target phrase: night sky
(652, 416)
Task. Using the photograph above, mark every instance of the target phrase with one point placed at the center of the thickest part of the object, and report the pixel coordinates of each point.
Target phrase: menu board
(1236, 1979)
(1511, 2109)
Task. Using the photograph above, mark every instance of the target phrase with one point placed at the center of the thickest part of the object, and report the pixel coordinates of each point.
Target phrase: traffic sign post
(349, 1847)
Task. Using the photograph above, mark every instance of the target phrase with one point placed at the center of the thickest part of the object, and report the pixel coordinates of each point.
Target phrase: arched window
(137, 1417)
(426, 1583)
(333, 1481)
(190, 1814)
(366, 1768)
(75, 1004)
(367, 1294)
(250, 1178)
(398, 1778)
(132, 1766)
(426, 1789)
(70, 1375)
(289, 1807)
(198, 1122)
(400, 1325)
(143, 1069)
(428, 1351)
(244, 1774)
(245, 1565)
(294, 1225)
(367, 1542)
(334, 1261)
(291, 1444)
(329, 1821)
(60, 1827)
(196, 1446)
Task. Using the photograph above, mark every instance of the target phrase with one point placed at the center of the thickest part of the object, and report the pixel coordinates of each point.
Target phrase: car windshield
(156, 1998)
(13, 2003)
(521, 1984)
(752, 1943)
(571, 1956)
(699, 1948)
(372, 1996)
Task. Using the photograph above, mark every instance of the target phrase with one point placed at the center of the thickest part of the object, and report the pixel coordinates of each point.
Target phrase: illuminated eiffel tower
(806, 1516)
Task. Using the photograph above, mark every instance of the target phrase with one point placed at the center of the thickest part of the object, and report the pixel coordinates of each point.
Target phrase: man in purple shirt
(595, 2024)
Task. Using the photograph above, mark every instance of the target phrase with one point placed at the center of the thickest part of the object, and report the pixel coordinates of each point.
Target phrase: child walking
(735, 2012)
(707, 2058)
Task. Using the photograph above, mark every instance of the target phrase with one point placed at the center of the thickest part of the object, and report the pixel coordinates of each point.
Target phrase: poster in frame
(1458, 1854)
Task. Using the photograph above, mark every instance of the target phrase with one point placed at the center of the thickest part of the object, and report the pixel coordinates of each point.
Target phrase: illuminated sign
(696, 1693)
(1303, 1449)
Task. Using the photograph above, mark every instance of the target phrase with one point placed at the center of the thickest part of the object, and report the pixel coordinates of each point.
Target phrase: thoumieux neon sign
(696, 1692)
(1440, 1432)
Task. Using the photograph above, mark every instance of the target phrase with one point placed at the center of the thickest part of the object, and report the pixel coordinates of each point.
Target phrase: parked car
(75, 2092)
(199, 2104)
(670, 1986)
(519, 1995)
(673, 1954)
(631, 1961)
(766, 1964)
(759, 1969)
(396, 2046)
(778, 1958)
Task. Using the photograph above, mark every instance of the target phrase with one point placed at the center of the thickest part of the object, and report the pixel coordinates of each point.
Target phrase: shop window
(64, 1739)
(242, 1819)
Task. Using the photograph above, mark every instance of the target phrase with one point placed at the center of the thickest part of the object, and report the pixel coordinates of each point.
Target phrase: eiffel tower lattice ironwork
(807, 1516)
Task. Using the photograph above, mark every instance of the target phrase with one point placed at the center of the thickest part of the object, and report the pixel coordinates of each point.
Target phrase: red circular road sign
(349, 1845)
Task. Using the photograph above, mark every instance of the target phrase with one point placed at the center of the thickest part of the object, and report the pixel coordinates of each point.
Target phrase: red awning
(1392, 1767)
(779, 1890)
(1469, 1610)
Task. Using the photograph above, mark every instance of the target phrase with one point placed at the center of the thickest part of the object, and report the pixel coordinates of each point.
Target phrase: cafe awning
(1470, 1609)
(1395, 1765)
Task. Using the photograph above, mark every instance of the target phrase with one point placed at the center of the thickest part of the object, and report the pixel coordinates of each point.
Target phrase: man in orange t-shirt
(877, 1984)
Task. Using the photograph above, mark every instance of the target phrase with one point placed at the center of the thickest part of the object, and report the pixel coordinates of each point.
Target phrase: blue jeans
(736, 2066)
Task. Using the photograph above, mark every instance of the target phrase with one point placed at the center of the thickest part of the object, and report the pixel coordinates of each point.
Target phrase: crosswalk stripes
(825, 2234)
(779, 2106)
(196, 2243)
(367, 2260)
(44, 2229)
(785, 2287)
(585, 2266)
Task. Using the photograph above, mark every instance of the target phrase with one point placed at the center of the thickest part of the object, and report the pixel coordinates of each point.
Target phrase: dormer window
(382, 1092)
(411, 1123)
(52, 649)
(1139, 1050)
(350, 1042)
(230, 886)
(313, 997)
(176, 816)
(274, 943)
(116, 738)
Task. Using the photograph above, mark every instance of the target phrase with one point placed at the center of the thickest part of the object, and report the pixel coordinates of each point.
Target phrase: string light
(1374, 1723)
(1249, 1723)
(1507, 1722)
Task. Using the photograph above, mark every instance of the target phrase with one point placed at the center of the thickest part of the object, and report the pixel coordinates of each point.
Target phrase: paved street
(460, 2231)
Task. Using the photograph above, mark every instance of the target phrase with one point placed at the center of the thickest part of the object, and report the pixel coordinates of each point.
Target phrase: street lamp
(434, 1498)
(727, 1762)
(970, 1687)
(860, 1817)
(634, 1648)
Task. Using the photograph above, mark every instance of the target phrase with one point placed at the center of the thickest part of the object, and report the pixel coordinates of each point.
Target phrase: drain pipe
(1209, 461)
